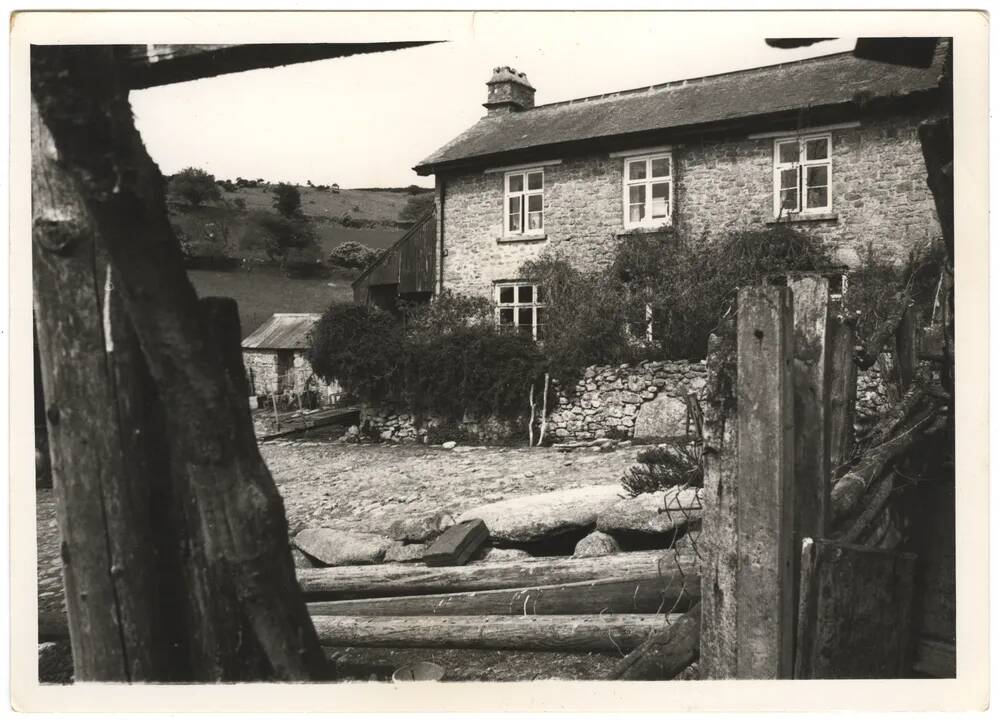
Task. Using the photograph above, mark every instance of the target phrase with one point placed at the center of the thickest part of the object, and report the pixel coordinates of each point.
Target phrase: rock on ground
(405, 552)
(664, 416)
(490, 554)
(341, 548)
(596, 543)
(661, 512)
(532, 518)
(421, 528)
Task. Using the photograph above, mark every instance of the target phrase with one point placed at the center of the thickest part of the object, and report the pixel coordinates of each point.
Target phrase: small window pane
(817, 197)
(534, 203)
(535, 221)
(790, 199)
(506, 316)
(507, 294)
(514, 214)
(534, 181)
(539, 315)
(661, 168)
(540, 293)
(789, 179)
(515, 183)
(524, 316)
(661, 200)
(524, 293)
(817, 149)
(817, 176)
(788, 152)
(637, 170)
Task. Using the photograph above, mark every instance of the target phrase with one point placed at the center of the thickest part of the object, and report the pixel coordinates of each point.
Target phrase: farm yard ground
(365, 487)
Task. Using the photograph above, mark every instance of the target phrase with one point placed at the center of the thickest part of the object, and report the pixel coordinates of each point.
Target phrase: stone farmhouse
(828, 144)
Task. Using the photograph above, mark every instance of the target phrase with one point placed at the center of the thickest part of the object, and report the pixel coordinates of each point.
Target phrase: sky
(366, 120)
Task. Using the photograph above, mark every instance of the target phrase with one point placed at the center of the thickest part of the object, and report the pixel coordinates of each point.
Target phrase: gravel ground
(365, 487)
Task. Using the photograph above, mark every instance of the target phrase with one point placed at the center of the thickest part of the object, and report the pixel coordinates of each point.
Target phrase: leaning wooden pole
(84, 103)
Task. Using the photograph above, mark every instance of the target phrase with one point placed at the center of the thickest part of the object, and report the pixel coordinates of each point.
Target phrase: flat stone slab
(662, 417)
(420, 528)
(660, 512)
(341, 548)
(532, 518)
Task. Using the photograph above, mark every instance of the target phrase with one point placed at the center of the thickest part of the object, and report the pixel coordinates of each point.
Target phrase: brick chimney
(509, 92)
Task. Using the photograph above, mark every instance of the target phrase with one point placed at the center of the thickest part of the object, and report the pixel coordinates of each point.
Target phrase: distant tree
(277, 235)
(195, 186)
(287, 200)
(352, 254)
(416, 206)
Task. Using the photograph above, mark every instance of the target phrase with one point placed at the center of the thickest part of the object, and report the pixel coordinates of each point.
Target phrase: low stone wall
(872, 398)
(643, 401)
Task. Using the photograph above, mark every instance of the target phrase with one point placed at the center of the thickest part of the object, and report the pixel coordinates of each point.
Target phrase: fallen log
(849, 488)
(347, 582)
(652, 594)
(604, 632)
(665, 653)
(867, 511)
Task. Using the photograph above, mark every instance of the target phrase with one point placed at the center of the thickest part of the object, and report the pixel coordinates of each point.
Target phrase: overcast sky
(367, 120)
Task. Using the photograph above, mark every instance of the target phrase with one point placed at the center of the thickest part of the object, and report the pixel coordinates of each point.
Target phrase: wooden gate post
(843, 392)
(765, 515)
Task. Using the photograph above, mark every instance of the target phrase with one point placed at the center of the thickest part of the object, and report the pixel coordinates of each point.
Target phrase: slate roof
(824, 81)
(282, 331)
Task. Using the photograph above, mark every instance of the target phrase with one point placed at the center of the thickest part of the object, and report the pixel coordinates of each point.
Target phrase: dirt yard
(366, 487)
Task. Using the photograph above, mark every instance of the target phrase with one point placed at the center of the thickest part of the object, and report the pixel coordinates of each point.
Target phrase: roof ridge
(684, 81)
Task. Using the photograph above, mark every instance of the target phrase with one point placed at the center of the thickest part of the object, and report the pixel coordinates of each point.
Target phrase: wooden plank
(592, 632)
(654, 594)
(766, 484)
(843, 393)
(390, 579)
(856, 610)
(811, 365)
(456, 545)
(666, 653)
(718, 536)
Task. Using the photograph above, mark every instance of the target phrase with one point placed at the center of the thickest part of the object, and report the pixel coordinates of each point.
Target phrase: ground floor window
(521, 305)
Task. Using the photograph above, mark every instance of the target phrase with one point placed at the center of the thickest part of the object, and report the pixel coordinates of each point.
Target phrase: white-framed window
(648, 190)
(523, 195)
(521, 305)
(803, 174)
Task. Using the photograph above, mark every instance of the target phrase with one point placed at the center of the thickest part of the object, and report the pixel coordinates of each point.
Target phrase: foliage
(664, 466)
(352, 254)
(278, 236)
(447, 313)
(360, 346)
(689, 285)
(583, 318)
(416, 206)
(195, 186)
(287, 200)
(447, 370)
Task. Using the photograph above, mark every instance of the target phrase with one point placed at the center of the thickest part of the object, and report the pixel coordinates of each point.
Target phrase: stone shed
(275, 360)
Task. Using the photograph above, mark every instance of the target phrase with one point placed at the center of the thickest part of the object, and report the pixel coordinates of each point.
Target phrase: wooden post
(83, 102)
(843, 393)
(811, 352)
(765, 518)
(856, 605)
(718, 536)
(906, 350)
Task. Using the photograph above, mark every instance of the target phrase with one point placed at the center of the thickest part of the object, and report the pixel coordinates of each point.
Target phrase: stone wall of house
(269, 372)
(879, 195)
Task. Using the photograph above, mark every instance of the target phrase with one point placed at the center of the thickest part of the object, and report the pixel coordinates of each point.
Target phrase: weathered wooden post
(765, 514)
(843, 392)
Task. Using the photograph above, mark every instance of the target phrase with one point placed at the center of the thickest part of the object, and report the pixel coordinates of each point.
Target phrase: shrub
(447, 313)
(277, 236)
(359, 346)
(352, 254)
(665, 466)
(583, 318)
(287, 200)
(195, 186)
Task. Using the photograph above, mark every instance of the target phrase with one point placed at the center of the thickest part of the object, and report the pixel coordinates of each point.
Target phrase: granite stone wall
(879, 195)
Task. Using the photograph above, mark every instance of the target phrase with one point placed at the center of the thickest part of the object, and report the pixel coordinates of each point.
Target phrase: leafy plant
(665, 466)
(352, 254)
(287, 200)
(195, 186)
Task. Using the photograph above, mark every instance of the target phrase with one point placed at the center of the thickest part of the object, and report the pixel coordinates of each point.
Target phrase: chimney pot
(508, 92)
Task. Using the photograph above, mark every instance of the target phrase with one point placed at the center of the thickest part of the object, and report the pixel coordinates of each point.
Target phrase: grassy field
(264, 291)
(374, 205)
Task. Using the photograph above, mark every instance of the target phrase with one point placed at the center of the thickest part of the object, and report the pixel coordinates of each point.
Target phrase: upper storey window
(523, 194)
(648, 190)
(802, 175)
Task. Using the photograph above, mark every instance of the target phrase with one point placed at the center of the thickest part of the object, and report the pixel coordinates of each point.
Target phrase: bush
(287, 200)
(195, 186)
(359, 346)
(352, 254)
(278, 236)
(662, 467)
(447, 313)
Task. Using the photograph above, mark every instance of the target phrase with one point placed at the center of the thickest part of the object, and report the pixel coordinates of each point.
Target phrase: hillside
(219, 230)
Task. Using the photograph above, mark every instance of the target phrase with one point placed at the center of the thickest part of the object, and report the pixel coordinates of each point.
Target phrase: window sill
(526, 238)
(804, 218)
(642, 229)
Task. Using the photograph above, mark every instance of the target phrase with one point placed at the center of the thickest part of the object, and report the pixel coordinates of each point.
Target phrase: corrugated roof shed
(813, 83)
(283, 331)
